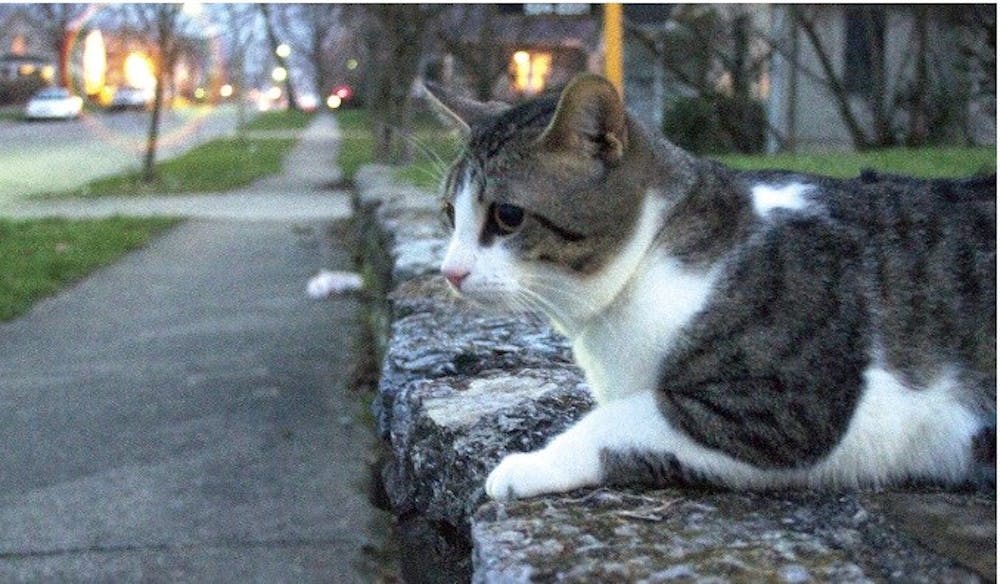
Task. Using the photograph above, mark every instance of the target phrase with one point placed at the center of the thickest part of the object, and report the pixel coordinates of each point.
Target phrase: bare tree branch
(833, 80)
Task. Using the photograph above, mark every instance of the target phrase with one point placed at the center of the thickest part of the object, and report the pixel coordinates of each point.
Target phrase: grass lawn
(357, 144)
(39, 257)
(436, 147)
(922, 162)
(219, 165)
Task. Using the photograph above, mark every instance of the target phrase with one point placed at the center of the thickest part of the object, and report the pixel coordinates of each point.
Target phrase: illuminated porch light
(531, 71)
(138, 71)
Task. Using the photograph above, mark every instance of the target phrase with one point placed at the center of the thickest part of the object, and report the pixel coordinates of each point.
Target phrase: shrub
(715, 124)
(19, 89)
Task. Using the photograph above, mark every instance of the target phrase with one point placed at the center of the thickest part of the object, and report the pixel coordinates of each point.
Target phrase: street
(40, 157)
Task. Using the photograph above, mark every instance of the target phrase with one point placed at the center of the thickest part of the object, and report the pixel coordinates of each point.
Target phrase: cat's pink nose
(455, 277)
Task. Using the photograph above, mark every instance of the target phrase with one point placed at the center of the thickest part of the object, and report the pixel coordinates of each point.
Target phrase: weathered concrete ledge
(461, 387)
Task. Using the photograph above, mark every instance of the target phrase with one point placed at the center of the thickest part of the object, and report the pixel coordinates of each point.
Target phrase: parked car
(130, 98)
(53, 103)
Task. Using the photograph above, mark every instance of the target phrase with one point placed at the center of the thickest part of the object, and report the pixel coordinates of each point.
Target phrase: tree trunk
(880, 87)
(919, 130)
(62, 51)
(149, 161)
(272, 38)
(399, 37)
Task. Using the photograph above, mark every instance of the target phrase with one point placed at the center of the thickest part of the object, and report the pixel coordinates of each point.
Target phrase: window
(19, 46)
(864, 34)
(531, 71)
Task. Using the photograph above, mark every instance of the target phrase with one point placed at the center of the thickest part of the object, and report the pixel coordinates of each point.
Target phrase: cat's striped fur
(749, 329)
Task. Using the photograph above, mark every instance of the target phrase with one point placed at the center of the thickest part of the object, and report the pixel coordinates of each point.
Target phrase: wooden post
(613, 69)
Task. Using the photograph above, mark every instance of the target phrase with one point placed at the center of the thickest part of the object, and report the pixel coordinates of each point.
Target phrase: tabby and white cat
(750, 330)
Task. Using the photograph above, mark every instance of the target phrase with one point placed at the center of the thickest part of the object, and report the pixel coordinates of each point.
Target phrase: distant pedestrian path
(305, 189)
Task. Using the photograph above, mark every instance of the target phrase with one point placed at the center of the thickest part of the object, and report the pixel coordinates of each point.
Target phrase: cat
(748, 330)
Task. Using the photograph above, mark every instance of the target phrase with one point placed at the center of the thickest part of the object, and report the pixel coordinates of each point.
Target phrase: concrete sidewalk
(304, 190)
(185, 415)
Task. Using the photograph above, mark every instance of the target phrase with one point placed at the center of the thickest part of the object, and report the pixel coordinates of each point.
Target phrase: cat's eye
(507, 217)
(449, 214)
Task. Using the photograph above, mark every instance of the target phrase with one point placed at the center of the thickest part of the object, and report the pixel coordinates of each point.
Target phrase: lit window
(19, 46)
(531, 71)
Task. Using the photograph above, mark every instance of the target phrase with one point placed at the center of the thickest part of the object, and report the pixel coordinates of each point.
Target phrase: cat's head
(541, 200)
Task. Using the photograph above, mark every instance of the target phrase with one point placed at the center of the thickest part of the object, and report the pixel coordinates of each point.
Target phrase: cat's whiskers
(440, 166)
(552, 310)
(580, 305)
(559, 293)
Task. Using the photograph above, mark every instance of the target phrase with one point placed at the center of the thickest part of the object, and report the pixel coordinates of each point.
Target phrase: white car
(130, 98)
(53, 103)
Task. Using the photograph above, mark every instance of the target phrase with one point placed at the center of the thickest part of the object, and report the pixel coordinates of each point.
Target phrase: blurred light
(95, 63)
(199, 93)
(139, 71)
(343, 92)
(333, 102)
(274, 93)
(531, 71)
(226, 90)
(352, 64)
(48, 72)
(308, 102)
(279, 74)
(192, 8)
(26, 70)
(283, 50)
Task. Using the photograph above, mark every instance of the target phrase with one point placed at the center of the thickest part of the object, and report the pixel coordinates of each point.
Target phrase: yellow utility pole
(613, 46)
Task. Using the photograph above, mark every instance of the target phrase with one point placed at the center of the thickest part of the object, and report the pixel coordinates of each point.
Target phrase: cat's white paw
(532, 473)
(518, 475)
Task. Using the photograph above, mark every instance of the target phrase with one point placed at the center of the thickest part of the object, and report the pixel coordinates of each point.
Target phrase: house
(516, 51)
(124, 56)
(886, 59)
(23, 52)
(791, 77)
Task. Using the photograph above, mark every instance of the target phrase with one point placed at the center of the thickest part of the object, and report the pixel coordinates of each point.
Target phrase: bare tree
(397, 35)
(311, 29)
(164, 24)
(270, 28)
(713, 59)
(470, 32)
(58, 23)
(238, 21)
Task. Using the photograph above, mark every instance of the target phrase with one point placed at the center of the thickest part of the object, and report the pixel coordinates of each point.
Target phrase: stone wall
(461, 387)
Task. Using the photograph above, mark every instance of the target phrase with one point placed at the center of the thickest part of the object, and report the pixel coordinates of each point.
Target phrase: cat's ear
(590, 119)
(457, 111)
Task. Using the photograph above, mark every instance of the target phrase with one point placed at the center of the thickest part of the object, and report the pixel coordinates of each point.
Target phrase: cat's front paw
(517, 475)
(528, 474)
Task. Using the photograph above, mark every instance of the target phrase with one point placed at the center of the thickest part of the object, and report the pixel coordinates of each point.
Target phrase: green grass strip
(216, 166)
(39, 257)
(920, 162)
(357, 145)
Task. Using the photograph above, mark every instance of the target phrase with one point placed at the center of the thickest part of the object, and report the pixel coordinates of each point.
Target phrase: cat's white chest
(622, 349)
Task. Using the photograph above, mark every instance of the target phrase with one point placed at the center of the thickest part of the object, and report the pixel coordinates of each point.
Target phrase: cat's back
(928, 267)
